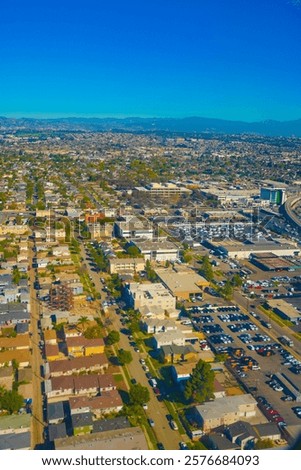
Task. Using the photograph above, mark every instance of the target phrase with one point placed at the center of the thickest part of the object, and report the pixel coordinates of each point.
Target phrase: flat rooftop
(182, 281)
(222, 406)
(123, 439)
(288, 309)
(21, 421)
(155, 245)
(256, 245)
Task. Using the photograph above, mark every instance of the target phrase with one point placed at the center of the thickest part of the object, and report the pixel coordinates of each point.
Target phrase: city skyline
(236, 61)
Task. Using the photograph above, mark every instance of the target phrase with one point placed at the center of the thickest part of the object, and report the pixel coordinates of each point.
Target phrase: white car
(173, 425)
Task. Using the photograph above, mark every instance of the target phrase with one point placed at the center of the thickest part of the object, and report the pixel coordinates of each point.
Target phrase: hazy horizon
(133, 116)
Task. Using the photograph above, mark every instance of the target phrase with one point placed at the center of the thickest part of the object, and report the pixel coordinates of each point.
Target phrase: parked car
(173, 425)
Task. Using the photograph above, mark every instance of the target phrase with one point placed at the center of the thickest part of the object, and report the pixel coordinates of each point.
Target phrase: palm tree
(83, 322)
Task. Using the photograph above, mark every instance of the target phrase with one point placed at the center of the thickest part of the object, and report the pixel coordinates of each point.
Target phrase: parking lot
(253, 357)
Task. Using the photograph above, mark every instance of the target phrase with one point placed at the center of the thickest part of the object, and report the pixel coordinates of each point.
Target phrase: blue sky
(231, 59)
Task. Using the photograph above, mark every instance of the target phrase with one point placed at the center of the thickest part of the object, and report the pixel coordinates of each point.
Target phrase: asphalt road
(37, 424)
(156, 410)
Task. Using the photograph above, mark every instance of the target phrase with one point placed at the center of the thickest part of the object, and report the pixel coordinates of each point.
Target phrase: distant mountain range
(137, 124)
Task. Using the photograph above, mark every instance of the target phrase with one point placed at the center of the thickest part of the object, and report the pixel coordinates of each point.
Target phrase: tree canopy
(206, 269)
(124, 357)
(139, 394)
(199, 387)
(10, 400)
(113, 337)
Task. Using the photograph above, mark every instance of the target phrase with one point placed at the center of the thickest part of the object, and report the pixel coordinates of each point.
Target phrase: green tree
(10, 401)
(92, 332)
(228, 290)
(150, 273)
(139, 394)
(113, 337)
(199, 387)
(187, 256)
(83, 322)
(115, 285)
(264, 444)
(237, 280)
(133, 251)
(16, 275)
(124, 357)
(206, 269)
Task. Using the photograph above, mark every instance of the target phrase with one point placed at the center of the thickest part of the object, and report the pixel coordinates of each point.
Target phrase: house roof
(78, 363)
(49, 335)
(21, 328)
(82, 419)
(56, 431)
(55, 410)
(107, 400)
(51, 350)
(20, 341)
(6, 372)
(103, 425)
(15, 441)
(82, 382)
(266, 430)
(240, 429)
(81, 341)
(220, 442)
(21, 355)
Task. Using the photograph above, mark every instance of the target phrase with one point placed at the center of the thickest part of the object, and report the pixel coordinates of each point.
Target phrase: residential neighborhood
(150, 291)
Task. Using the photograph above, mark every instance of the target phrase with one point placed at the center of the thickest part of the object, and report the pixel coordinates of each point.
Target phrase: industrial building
(288, 310)
(243, 250)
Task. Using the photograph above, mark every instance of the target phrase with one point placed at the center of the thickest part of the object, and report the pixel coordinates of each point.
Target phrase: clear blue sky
(232, 59)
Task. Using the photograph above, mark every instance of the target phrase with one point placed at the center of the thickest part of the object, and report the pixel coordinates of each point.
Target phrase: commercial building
(132, 227)
(158, 250)
(149, 295)
(273, 195)
(158, 190)
(243, 250)
(228, 196)
(182, 282)
(270, 262)
(126, 265)
(289, 310)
